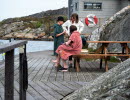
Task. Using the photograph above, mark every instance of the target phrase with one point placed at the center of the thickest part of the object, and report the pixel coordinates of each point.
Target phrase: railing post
(25, 69)
(23, 75)
(9, 75)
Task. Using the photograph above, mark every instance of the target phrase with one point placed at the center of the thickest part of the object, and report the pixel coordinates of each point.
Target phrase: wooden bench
(102, 53)
(95, 56)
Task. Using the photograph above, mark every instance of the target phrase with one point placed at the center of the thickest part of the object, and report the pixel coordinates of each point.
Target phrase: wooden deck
(45, 83)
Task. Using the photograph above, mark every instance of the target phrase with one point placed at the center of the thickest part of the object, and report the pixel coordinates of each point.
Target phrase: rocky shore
(17, 30)
(37, 26)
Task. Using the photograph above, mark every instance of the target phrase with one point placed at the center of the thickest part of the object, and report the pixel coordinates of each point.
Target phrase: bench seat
(95, 56)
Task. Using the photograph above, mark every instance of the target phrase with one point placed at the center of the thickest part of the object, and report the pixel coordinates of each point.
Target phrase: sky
(19, 8)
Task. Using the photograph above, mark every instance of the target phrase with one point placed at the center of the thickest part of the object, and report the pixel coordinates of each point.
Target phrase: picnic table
(102, 53)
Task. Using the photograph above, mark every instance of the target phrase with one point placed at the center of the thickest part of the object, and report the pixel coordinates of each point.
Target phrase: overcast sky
(18, 8)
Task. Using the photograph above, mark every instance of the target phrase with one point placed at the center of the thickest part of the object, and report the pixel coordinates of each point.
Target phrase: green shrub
(89, 59)
(91, 50)
(33, 24)
(114, 59)
(38, 24)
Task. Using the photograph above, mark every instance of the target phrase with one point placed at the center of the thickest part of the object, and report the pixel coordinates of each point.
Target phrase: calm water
(32, 46)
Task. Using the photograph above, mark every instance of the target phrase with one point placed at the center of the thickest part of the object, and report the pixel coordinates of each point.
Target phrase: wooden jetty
(45, 82)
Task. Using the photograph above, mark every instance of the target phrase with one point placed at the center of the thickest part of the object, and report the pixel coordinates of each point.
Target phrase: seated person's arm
(68, 42)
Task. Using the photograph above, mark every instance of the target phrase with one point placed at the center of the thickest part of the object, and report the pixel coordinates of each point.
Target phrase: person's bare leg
(65, 68)
(54, 61)
(58, 60)
(64, 63)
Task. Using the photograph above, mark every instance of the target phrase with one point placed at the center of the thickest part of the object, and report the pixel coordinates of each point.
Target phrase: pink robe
(74, 48)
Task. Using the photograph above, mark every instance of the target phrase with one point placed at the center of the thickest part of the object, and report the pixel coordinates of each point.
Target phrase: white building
(103, 9)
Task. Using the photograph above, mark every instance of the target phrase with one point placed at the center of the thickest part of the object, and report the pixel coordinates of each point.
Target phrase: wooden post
(9, 75)
(78, 59)
(123, 48)
(101, 60)
(104, 50)
(25, 70)
(21, 75)
(106, 64)
(77, 65)
(123, 51)
(74, 62)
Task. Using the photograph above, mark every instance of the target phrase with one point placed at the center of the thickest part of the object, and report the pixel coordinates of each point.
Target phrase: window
(76, 6)
(89, 5)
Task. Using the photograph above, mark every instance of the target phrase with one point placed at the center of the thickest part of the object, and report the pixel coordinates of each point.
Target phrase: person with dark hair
(58, 35)
(71, 47)
(74, 20)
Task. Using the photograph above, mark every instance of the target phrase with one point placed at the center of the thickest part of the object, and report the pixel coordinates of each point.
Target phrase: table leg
(77, 65)
(101, 61)
(78, 59)
(74, 63)
(125, 50)
(106, 64)
(104, 50)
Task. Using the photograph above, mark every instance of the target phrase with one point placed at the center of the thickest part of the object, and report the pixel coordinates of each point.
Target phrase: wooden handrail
(9, 69)
(12, 45)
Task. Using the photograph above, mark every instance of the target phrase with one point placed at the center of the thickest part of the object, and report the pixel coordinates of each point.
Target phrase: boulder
(2, 32)
(12, 27)
(29, 35)
(50, 38)
(8, 36)
(44, 37)
(15, 35)
(20, 35)
(27, 30)
(116, 28)
(39, 30)
(93, 37)
(112, 85)
(35, 37)
(41, 35)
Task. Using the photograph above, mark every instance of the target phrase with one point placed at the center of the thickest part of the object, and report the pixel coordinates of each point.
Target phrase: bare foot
(56, 65)
(54, 61)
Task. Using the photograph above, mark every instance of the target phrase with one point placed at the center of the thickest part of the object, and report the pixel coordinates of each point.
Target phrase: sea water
(32, 46)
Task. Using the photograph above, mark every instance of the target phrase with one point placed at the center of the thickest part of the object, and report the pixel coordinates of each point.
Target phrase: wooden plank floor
(45, 83)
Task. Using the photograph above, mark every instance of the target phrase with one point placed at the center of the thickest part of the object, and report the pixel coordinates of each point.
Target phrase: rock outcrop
(116, 28)
(19, 30)
(61, 11)
(112, 85)
(35, 26)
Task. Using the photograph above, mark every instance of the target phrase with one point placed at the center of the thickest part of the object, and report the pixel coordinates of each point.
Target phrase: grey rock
(18, 27)
(112, 85)
(116, 28)
(93, 37)
(13, 27)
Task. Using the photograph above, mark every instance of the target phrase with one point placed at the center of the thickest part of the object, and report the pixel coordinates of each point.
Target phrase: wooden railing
(8, 49)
